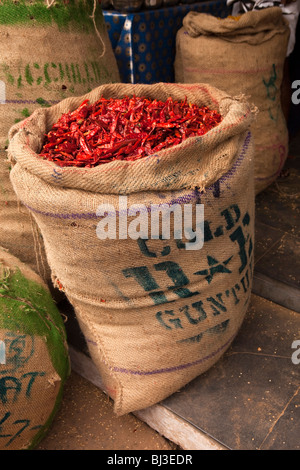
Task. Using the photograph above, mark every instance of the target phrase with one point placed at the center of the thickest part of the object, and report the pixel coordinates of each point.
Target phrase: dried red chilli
(124, 129)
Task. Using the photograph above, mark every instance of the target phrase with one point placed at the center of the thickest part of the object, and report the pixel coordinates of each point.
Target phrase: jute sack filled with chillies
(34, 361)
(155, 312)
(242, 54)
(49, 51)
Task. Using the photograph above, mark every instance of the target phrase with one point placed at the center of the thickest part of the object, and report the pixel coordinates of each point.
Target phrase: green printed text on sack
(45, 74)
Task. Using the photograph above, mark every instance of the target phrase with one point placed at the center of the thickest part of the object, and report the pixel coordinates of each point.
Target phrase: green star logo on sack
(215, 267)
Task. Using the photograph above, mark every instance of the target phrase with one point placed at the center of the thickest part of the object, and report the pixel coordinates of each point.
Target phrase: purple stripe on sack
(175, 368)
(29, 101)
(238, 162)
(88, 215)
(180, 200)
(91, 342)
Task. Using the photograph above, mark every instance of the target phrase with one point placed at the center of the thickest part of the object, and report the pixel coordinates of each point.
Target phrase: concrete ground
(86, 421)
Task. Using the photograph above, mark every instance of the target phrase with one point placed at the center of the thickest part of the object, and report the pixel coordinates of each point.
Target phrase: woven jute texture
(242, 55)
(34, 362)
(47, 54)
(155, 313)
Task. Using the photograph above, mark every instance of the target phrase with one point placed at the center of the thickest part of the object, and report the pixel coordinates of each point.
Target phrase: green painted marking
(9, 77)
(194, 320)
(43, 102)
(95, 70)
(25, 112)
(32, 376)
(158, 297)
(176, 322)
(46, 74)
(78, 73)
(270, 85)
(51, 72)
(28, 76)
(87, 72)
(61, 71)
(142, 275)
(73, 73)
(28, 308)
(239, 237)
(68, 72)
(54, 66)
(70, 16)
(217, 305)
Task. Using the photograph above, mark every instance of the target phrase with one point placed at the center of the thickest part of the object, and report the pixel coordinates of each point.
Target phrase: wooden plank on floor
(159, 418)
(277, 238)
(250, 399)
(276, 291)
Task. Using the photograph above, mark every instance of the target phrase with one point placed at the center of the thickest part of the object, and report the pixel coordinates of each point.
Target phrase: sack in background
(47, 54)
(34, 361)
(244, 55)
(154, 314)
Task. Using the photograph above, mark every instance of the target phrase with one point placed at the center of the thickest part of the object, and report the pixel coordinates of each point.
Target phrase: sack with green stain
(244, 55)
(34, 361)
(155, 314)
(47, 54)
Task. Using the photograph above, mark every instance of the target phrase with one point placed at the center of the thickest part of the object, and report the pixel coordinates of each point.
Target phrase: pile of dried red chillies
(124, 129)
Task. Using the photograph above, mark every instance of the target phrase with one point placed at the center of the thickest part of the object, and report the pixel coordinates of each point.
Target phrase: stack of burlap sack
(49, 51)
(242, 54)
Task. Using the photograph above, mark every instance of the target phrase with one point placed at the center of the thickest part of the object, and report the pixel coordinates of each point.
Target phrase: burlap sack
(155, 314)
(242, 56)
(34, 361)
(47, 54)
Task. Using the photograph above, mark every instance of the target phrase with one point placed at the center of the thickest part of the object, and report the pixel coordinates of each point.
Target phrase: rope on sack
(50, 3)
(95, 26)
(41, 269)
